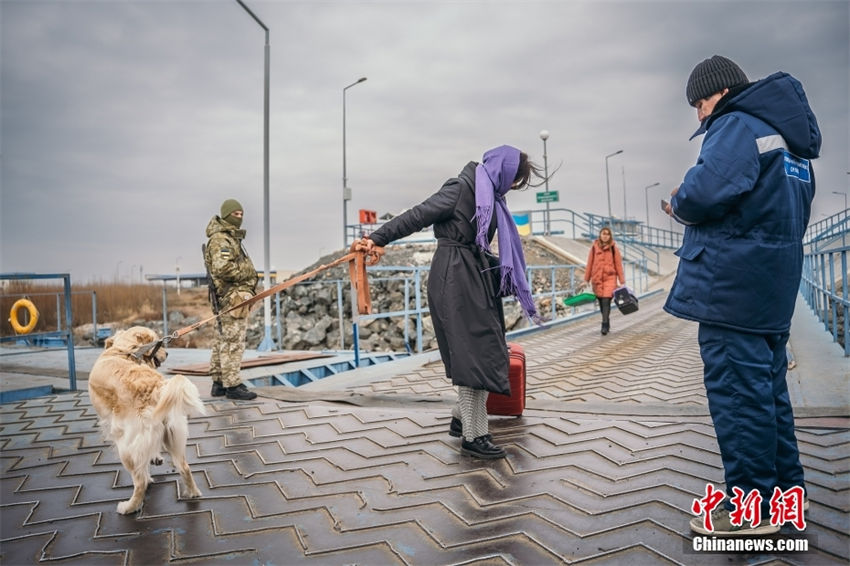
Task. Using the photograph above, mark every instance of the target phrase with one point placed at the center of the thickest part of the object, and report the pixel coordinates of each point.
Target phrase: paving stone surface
(602, 468)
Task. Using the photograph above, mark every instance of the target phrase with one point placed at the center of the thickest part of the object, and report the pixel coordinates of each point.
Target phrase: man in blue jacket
(746, 206)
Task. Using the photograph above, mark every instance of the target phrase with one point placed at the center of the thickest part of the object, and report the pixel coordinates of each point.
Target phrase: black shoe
(218, 389)
(240, 392)
(456, 427)
(481, 447)
(605, 328)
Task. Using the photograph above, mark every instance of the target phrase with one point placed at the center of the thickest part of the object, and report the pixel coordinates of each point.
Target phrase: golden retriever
(141, 412)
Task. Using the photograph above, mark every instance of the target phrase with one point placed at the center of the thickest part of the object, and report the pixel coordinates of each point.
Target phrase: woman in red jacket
(605, 272)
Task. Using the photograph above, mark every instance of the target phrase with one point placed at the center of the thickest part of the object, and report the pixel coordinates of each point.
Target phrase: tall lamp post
(608, 183)
(842, 194)
(544, 135)
(646, 195)
(177, 270)
(625, 210)
(346, 192)
(267, 342)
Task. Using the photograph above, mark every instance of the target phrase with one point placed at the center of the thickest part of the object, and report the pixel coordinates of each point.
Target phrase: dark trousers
(748, 399)
(605, 307)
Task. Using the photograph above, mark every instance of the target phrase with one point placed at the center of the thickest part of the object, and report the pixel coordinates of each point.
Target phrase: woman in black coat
(465, 288)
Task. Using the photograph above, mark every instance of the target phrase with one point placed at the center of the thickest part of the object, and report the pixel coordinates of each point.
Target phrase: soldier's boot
(241, 393)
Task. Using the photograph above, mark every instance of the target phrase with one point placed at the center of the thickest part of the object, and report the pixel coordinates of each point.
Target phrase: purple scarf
(493, 179)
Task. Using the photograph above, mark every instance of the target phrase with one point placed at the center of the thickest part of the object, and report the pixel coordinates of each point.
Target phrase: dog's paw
(156, 461)
(125, 508)
(194, 494)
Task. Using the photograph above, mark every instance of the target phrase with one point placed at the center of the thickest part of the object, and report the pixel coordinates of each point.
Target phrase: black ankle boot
(218, 389)
(240, 392)
(605, 328)
(481, 447)
(455, 427)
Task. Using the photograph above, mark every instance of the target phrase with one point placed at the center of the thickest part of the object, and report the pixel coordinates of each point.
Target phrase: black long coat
(468, 318)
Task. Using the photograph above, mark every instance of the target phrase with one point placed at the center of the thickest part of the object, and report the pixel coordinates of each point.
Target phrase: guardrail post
(69, 326)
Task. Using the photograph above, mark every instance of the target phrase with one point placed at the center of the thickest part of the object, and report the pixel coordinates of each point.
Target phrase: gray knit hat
(712, 76)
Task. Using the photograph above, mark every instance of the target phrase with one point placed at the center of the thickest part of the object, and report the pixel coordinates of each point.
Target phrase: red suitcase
(512, 404)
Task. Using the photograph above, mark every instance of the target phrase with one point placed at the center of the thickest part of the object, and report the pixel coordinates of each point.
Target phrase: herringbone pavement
(602, 469)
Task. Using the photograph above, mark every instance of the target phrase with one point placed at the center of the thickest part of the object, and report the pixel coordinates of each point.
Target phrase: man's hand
(668, 208)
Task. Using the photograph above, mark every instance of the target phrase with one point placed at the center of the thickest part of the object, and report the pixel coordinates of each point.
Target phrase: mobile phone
(664, 205)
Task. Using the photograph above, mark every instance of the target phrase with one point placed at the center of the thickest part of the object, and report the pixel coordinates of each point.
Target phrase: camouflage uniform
(235, 280)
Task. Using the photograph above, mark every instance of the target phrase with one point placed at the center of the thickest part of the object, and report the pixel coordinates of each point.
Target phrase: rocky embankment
(310, 312)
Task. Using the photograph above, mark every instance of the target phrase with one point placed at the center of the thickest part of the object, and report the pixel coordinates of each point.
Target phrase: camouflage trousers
(226, 356)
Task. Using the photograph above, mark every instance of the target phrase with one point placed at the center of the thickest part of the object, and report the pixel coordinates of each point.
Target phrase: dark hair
(525, 171)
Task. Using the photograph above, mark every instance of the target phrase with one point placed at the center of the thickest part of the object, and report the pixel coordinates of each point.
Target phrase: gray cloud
(125, 124)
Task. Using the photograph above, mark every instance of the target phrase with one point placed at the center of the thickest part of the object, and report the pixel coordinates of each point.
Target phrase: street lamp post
(646, 195)
(177, 271)
(346, 192)
(625, 210)
(544, 135)
(842, 194)
(608, 183)
(267, 342)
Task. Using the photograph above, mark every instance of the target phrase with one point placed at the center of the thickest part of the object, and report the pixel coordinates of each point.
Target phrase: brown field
(120, 303)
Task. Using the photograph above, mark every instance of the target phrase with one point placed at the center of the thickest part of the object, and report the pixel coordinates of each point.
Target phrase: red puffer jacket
(604, 269)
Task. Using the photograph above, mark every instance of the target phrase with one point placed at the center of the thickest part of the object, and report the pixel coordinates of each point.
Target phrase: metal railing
(66, 332)
(558, 221)
(825, 282)
(415, 308)
(825, 288)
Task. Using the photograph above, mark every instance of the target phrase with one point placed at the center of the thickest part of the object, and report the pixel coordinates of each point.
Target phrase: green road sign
(547, 196)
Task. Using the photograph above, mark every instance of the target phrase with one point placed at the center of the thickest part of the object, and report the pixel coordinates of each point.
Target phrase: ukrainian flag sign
(523, 224)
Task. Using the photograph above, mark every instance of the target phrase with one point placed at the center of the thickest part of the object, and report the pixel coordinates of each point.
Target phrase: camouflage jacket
(230, 268)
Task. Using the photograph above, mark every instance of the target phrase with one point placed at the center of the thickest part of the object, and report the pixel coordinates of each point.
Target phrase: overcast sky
(126, 124)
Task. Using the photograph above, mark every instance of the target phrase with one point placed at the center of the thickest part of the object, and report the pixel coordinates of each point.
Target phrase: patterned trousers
(471, 409)
(226, 355)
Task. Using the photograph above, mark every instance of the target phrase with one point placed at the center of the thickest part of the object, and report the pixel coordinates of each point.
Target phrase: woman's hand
(373, 252)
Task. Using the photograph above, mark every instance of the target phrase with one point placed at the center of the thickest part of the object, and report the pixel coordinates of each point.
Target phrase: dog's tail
(178, 397)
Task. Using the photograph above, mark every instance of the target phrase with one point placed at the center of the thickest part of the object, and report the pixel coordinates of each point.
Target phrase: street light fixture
(842, 194)
(346, 192)
(646, 195)
(544, 135)
(266, 343)
(608, 183)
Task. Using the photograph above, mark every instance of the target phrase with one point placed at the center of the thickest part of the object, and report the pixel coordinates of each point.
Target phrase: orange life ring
(13, 316)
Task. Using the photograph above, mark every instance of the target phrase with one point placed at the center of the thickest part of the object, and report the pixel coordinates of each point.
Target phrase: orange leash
(357, 257)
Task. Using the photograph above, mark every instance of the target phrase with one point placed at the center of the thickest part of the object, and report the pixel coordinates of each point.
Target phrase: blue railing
(415, 309)
(561, 222)
(66, 332)
(825, 284)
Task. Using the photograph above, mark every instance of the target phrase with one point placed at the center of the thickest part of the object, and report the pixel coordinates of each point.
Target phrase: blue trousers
(748, 399)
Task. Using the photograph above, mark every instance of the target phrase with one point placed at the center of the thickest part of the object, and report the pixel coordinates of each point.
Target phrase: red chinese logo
(785, 507)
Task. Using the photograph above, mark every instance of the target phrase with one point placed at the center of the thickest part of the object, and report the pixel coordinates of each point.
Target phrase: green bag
(579, 299)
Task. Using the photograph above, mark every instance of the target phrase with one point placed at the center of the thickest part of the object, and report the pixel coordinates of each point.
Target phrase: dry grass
(116, 302)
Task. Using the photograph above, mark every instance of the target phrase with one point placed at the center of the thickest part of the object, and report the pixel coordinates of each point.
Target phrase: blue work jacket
(746, 205)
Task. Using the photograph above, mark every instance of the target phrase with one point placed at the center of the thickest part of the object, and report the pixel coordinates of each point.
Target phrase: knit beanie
(713, 75)
(227, 208)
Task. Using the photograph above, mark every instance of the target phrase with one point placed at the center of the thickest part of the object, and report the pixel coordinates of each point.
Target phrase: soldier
(234, 280)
